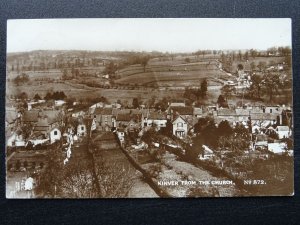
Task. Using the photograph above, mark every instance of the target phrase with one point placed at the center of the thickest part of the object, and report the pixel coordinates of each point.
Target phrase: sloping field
(150, 77)
(268, 60)
(54, 73)
(135, 69)
(69, 89)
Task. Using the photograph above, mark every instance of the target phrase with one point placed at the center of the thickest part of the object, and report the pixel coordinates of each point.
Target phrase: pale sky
(172, 35)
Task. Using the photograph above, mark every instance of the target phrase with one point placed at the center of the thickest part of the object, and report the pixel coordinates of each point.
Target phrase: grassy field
(178, 77)
(268, 60)
(52, 74)
(170, 73)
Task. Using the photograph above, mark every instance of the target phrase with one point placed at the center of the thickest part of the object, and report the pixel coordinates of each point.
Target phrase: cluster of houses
(179, 117)
(42, 126)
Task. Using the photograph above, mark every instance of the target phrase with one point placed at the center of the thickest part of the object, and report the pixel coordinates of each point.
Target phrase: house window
(95, 116)
(82, 128)
(270, 110)
(55, 132)
(180, 124)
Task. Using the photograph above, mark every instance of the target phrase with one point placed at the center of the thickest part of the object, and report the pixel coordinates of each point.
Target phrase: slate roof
(197, 111)
(116, 112)
(256, 110)
(226, 112)
(103, 111)
(242, 112)
(30, 116)
(182, 110)
(123, 117)
(42, 125)
(177, 118)
(157, 116)
(51, 115)
(263, 116)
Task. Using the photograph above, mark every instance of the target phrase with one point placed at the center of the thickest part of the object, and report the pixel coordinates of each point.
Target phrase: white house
(121, 135)
(55, 135)
(81, 130)
(59, 102)
(15, 140)
(206, 154)
(277, 148)
(180, 127)
(283, 131)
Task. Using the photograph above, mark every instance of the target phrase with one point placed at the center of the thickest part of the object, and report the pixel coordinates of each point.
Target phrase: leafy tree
(252, 66)
(192, 153)
(288, 60)
(135, 103)
(36, 97)
(149, 136)
(240, 55)
(227, 91)
(271, 84)
(168, 130)
(110, 68)
(203, 88)
(162, 104)
(144, 61)
(202, 122)
(65, 74)
(207, 129)
(224, 129)
(48, 96)
(26, 130)
(253, 53)
(256, 85)
(262, 66)
(25, 164)
(240, 67)
(23, 96)
(18, 165)
(21, 79)
(246, 55)
(242, 131)
(221, 101)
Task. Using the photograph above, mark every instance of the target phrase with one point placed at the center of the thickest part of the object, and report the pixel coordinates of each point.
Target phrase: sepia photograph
(149, 108)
